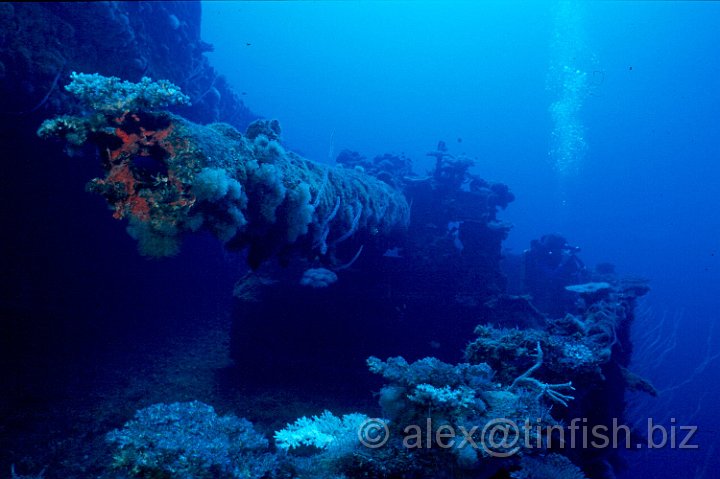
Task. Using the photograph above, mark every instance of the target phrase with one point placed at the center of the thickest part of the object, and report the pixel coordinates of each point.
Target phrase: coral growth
(325, 431)
(318, 278)
(169, 177)
(551, 466)
(392, 169)
(172, 177)
(112, 96)
(189, 441)
(462, 397)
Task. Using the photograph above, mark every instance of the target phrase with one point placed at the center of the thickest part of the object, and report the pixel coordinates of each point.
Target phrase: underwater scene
(360, 239)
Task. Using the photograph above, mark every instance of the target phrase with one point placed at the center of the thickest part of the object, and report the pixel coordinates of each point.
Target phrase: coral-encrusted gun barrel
(170, 176)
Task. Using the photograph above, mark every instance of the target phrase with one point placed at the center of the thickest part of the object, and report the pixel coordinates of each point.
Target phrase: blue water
(602, 117)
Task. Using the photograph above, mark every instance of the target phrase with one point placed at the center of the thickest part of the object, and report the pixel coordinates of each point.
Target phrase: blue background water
(634, 180)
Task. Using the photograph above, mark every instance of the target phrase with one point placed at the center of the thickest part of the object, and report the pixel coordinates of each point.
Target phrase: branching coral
(325, 431)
